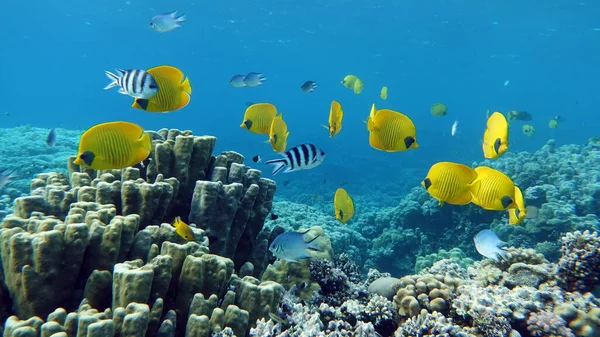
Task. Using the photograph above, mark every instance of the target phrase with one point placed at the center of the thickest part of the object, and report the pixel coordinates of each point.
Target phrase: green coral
(454, 254)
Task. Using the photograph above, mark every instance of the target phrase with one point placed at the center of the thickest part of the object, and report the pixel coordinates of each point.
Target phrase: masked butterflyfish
(528, 130)
(258, 118)
(113, 145)
(439, 109)
(183, 229)
(278, 134)
(358, 86)
(335, 118)
(371, 117)
(492, 189)
(495, 137)
(450, 182)
(392, 131)
(517, 214)
(174, 91)
(384, 92)
(343, 205)
(349, 81)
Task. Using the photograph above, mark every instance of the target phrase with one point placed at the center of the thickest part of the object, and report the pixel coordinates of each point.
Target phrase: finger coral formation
(99, 243)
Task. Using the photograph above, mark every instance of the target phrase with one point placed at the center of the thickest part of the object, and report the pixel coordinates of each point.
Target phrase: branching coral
(339, 280)
(547, 324)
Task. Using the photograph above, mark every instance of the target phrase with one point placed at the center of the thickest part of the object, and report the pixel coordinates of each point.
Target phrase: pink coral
(547, 324)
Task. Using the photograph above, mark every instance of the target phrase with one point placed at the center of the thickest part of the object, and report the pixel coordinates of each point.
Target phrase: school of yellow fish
(117, 145)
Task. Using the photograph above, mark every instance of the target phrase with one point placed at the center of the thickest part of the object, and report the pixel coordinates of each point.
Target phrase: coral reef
(98, 239)
(91, 253)
(579, 266)
(339, 280)
(547, 324)
(431, 324)
(430, 292)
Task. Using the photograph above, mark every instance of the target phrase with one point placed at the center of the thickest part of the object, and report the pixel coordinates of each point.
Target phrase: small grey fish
(5, 177)
(136, 83)
(488, 244)
(301, 157)
(237, 81)
(291, 247)
(254, 79)
(51, 139)
(308, 86)
(166, 22)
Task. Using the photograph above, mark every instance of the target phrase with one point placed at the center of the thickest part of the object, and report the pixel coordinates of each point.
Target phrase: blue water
(54, 54)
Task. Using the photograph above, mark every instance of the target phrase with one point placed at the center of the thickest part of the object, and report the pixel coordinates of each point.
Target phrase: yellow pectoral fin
(135, 105)
(186, 86)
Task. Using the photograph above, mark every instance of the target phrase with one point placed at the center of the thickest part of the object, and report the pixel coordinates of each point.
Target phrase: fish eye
(322, 153)
(152, 86)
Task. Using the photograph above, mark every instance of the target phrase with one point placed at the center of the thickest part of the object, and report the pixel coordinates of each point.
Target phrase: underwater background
(474, 57)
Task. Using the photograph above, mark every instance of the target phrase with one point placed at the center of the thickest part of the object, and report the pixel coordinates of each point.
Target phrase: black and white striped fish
(301, 157)
(136, 83)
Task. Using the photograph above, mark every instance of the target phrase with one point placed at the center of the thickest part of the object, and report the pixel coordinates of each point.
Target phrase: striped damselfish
(136, 83)
(301, 157)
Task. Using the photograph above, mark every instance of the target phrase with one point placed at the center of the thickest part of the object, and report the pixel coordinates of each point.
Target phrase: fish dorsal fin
(168, 73)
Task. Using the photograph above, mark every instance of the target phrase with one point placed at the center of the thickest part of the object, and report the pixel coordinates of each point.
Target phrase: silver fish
(51, 139)
(6, 176)
(254, 79)
(308, 86)
(291, 247)
(237, 81)
(166, 22)
(136, 83)
(488, 244)
(301, 157)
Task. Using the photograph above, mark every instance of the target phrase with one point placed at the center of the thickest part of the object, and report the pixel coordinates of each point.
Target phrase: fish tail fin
(180, 18)
(280, 164)
(12, 174)
(474, 187)
(312, 245)
(146, 141)
(186, 86)
(502, 254)
(114, 78)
